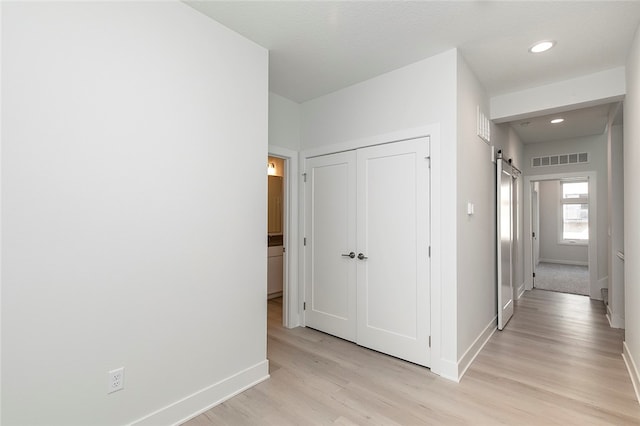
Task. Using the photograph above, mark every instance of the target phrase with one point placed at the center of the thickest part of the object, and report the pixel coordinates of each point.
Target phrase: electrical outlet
(115, 380)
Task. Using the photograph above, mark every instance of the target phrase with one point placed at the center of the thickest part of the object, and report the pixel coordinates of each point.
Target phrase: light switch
(470, 208)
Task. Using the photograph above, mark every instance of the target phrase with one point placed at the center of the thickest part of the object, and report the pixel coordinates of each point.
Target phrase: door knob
(351, 255)
(362, 256)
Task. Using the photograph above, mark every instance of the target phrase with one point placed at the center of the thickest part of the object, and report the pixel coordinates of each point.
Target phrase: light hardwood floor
(557, 363)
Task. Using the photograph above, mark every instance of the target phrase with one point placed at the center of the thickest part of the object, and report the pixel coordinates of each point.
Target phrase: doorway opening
(276, 232)
(275, 227)
(282, 233)
(562, 233)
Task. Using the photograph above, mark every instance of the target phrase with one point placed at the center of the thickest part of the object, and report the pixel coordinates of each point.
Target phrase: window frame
(561, 203)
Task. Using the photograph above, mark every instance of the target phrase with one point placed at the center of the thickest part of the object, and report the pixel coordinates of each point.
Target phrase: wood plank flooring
(557, 363)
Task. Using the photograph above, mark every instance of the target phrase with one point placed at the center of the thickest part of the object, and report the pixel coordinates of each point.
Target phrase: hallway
(557, 362)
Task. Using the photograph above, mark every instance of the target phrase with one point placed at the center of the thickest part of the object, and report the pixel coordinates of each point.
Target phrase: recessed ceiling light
(542, 46)
(557, 120)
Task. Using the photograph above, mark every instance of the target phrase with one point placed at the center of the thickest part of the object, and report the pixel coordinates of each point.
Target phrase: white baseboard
(615, 321)
(475, 348)
(520, 291)
(447, 370)
(274, 295)
(603, 282)
(565, 262)
(632, 368)
(207, 398)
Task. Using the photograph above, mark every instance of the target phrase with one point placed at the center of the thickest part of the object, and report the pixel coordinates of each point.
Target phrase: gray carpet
(564, 278)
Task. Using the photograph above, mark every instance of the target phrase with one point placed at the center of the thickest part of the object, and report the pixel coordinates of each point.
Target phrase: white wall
(515, 149)
(550, 249)
(615, 165)
(120, 232)
(596, 146)
(420, 94)
(631, 208)
(593, 89)
(476, 257)
(284, 122)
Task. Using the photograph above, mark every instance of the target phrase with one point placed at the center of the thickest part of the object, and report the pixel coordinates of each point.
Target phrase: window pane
(575, 189)
(575, 223)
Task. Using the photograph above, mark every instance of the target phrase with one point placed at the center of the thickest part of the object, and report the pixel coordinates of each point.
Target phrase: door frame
(290, 287)
(439, 365)
(594, 289)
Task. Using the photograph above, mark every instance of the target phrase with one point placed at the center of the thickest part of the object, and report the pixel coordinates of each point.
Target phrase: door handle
(351, 255)
(362, 256)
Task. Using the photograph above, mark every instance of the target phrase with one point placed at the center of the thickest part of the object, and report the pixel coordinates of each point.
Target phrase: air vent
(560, 160)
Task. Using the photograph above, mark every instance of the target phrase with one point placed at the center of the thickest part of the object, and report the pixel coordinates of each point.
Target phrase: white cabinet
(274, 271)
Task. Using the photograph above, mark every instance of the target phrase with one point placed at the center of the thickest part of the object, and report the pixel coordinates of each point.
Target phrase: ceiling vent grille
(560, 159)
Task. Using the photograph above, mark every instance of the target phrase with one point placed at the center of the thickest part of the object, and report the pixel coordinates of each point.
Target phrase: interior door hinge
(429, 251)
(534, 275)
(429, 341)
(533, 234)
(429, 160)
(304, 306)
(304, 176)
(304, 241)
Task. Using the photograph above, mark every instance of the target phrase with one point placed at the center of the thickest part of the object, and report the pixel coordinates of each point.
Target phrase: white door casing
(535, 226)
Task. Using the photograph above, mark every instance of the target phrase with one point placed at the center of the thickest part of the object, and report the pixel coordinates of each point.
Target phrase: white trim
(197, 403)
(291, 295)
(438, 365)
(574, 243)
(615, 321)
(520, 291)
(400, 135)
(602, 283)
(594, 289)
(564, 262)
(472, 352)
(448, 369)
(632, 368)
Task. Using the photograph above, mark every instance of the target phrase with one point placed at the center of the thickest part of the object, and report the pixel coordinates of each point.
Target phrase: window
(574, 203)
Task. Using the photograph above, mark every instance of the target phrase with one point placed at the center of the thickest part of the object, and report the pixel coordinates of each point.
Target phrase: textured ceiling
(317, 47)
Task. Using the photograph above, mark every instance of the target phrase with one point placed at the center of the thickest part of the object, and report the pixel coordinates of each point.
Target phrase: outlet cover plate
(115, 380)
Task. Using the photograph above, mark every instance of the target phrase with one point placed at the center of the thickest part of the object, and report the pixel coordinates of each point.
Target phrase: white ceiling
(578, 123)
(317, 47)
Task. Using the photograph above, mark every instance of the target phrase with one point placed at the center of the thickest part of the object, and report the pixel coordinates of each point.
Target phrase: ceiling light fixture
(542, 46)
(557, 120)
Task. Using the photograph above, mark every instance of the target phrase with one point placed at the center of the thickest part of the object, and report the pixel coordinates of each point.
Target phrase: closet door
(393, 287)
(330, 230)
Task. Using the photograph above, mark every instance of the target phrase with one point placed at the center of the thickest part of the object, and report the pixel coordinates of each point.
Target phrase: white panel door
(505, 235)
(393, 241)
(330, 230)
